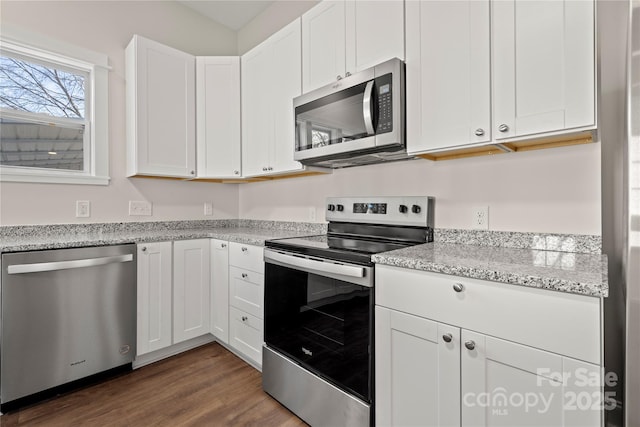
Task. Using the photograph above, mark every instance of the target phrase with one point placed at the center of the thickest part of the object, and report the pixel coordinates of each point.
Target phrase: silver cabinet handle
(244, 249)
(458, 287)
(470, 345)
(143, 249)
(447, 337)
(366, 108)
(479, 132)
(503, 128)
(339, 77)
(245, 275)
(67, 265)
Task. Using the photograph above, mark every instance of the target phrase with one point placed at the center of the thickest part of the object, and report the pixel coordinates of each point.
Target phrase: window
(53, 111)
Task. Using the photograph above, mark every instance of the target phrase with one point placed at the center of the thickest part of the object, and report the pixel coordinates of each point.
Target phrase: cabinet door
(161, 110)
(257, 109)
(287, 76)
(448, 73)
(220, 290)
(543, 58)
(218, 116)
(417, 371)
(374, 33)
(191, 289)
(154, 297)
(508, 384)
(323, 44)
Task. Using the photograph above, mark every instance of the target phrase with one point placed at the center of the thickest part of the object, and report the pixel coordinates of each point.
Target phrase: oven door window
(322, 323)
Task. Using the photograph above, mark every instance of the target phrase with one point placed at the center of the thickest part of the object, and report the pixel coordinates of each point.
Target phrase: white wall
(555, 190)
(107, 27)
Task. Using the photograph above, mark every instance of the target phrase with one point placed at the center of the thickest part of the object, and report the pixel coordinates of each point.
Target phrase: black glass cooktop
(350, 249)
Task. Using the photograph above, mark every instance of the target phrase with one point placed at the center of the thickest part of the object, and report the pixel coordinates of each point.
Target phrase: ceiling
(232, 14)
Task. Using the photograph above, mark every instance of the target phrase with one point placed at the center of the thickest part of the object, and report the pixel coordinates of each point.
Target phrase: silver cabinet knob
(479, 132)
(270, 168)
(347, 74)
(245, 318)
(339, 77)
(470, 345)
(192, 172)
(503, 128)
(447, 337)
(244, 249)
(264, 169)
(245, 275)
(458, 287)
(224, 245)
(236, 172)
(143, 249)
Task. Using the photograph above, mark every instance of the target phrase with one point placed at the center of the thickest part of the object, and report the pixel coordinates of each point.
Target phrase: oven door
(320, 314)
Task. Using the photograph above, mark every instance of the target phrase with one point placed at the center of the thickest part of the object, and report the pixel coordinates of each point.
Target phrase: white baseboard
(163, 353)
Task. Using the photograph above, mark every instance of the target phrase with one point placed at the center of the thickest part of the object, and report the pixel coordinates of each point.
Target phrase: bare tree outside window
(29, 90)
(35, 88)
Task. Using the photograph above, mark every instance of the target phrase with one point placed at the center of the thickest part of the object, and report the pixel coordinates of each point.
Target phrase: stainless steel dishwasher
(67, 314)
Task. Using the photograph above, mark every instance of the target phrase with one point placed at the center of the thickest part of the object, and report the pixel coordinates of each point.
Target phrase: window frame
(42, 48)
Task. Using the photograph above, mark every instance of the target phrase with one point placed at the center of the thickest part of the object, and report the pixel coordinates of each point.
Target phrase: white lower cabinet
(173, 293)
(246, 298)
(154, 297)
(220, 290)
(447, 356)
(191, 289)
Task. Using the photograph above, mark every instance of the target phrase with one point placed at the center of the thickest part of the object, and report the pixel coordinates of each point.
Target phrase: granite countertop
(563, 263)
(59, 236)
(580, 273)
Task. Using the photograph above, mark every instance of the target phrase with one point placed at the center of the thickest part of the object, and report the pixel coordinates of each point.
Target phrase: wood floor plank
(207, 386)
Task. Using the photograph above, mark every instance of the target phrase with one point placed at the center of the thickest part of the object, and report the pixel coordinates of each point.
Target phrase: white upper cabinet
(543, 66)
(271, 78)
(218, 116)
(323, 44)
(344, 37)
(448, 74)
(160, 110)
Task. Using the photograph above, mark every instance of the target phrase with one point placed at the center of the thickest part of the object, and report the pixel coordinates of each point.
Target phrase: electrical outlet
(139, 208)
(480, 219)
(312, 213)
(208, 208)
(83, 209)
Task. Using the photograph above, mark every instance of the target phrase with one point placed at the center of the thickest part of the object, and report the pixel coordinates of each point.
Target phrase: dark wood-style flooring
(207, 386)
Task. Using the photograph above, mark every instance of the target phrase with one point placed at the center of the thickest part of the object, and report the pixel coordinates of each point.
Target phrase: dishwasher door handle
(67, 265)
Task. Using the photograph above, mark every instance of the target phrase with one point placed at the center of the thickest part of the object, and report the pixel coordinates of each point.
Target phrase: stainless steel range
(319, 304)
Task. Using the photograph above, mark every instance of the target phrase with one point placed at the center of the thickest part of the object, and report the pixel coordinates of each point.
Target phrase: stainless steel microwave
(356, 120)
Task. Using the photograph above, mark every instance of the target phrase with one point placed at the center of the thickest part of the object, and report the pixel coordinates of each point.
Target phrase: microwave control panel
(385, 104)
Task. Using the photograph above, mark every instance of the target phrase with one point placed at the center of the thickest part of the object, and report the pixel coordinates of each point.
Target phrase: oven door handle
(311, 264)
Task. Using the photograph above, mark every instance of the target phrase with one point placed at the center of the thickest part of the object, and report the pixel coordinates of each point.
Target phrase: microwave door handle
(366, 108)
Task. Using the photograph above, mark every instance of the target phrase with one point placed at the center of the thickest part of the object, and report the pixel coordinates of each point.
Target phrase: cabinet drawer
(246, 291)
(246, 256)
(559, 322)
(246, 334)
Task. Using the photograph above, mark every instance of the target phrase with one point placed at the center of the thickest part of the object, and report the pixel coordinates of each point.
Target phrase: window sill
(53, 178)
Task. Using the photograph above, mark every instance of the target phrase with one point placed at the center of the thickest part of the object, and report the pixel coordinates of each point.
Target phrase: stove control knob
(340, 208)
(415, 209)
(331, 208)
(403, 209)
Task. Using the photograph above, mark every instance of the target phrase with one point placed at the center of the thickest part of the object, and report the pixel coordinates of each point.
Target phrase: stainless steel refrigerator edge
(618, 70)
(66, 314)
